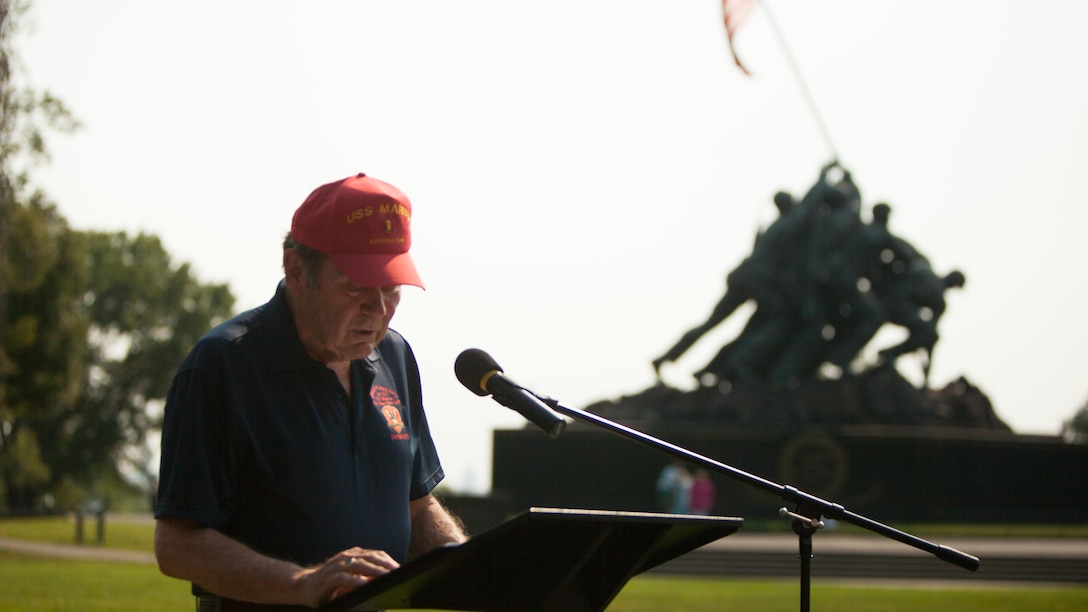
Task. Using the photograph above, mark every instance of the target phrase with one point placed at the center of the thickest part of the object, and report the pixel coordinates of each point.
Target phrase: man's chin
(363, 350)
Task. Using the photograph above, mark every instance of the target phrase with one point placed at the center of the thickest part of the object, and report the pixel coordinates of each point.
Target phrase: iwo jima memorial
(790, 399)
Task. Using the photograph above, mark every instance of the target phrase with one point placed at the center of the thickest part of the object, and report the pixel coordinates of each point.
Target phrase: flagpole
(801, 82)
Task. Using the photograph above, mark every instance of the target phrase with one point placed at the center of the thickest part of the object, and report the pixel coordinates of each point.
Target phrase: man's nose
(374, 301)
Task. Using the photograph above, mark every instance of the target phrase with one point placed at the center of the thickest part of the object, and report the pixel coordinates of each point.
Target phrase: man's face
(337, 319)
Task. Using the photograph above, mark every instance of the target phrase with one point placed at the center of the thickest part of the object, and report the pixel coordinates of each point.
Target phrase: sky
(584, 173)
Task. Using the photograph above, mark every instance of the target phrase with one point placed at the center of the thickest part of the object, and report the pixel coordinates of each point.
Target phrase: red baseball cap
(363, 225)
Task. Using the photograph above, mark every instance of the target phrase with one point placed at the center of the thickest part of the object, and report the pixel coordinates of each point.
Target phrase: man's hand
(345, 572)
(189, 551)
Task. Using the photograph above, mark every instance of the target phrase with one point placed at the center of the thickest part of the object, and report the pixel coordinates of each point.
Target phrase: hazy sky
(584, 173)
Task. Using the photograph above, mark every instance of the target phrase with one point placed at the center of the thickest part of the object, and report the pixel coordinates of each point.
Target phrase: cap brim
(378, 270)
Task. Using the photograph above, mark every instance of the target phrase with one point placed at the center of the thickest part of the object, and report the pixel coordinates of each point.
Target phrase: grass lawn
(696, 595)
(30, 583)
(35, 583)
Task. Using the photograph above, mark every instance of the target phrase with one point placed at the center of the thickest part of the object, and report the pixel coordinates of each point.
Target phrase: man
(296, 457)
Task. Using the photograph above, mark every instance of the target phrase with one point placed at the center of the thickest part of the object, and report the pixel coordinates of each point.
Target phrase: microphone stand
(807, 514)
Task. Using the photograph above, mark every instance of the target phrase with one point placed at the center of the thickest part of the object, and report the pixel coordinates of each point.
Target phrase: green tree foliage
(144, 315)
(92, 324)
(33, 242)
(23, 112)
(42, 339)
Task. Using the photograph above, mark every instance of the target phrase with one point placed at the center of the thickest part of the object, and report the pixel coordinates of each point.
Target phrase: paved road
(1020, 560)
(71, 551)
(836, 543)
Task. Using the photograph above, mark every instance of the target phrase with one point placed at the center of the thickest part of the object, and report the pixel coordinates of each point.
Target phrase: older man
(296, 457)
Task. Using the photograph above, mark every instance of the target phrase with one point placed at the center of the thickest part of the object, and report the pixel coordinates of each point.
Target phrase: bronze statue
(823, 283)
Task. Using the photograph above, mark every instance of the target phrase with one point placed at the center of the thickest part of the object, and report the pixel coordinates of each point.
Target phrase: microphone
(478, 372)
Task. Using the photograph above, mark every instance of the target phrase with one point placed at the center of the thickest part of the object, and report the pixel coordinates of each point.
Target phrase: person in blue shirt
(297, 462)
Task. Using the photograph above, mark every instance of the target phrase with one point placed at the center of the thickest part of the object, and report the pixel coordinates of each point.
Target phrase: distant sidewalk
(86, 552)
(983, 547)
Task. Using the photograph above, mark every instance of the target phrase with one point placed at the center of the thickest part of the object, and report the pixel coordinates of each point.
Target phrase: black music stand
(541, 560)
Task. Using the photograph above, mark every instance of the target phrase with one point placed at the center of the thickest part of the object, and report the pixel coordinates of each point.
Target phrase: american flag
(734, 13)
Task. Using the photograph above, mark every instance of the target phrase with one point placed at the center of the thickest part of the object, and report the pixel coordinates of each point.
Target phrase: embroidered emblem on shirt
(392, 418)
(384, 396)
(388, 400)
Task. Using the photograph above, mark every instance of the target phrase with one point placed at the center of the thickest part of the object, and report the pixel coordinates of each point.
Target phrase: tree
(92, 324)
(91, 347)
(32, 242)
(42, 342)
(144, 315)
(1076, 428)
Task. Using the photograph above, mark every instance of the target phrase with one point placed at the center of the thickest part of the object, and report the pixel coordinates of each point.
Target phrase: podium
(542, 560)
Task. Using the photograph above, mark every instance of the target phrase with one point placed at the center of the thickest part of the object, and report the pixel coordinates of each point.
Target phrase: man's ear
(293, 270)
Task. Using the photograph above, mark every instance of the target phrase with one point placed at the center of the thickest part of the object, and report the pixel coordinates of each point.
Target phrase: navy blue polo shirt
(262, 443)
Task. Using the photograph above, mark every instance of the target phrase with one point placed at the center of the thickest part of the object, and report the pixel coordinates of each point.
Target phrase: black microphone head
(471, 366)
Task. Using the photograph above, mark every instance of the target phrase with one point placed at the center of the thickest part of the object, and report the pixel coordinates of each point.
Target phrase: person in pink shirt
(702, 493)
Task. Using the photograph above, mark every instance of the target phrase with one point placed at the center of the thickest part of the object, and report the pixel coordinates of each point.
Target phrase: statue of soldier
(829, 292)
(766, 277)
(913, 297)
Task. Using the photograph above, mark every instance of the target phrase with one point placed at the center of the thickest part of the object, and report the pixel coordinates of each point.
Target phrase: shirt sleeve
(427, 469)
(197, 468)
